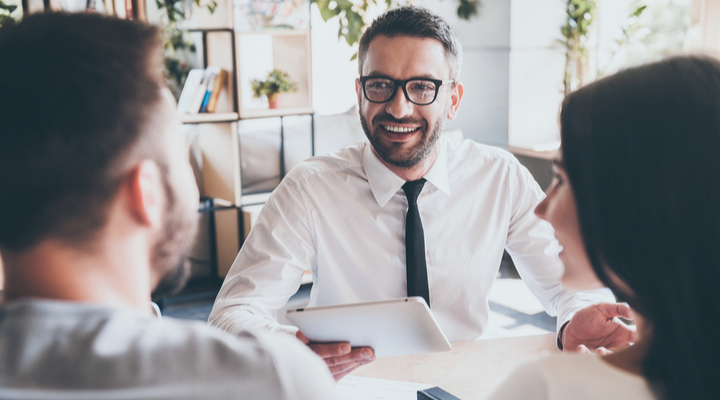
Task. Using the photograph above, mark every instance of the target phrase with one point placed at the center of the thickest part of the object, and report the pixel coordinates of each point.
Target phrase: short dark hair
(642, 152)
(418, 22)
(77, 91)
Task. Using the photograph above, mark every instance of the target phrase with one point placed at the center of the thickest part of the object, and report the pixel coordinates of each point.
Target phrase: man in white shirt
(343, 216)
(98, 202)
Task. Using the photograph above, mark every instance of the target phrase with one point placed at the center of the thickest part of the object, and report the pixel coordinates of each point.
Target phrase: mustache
(388, 118)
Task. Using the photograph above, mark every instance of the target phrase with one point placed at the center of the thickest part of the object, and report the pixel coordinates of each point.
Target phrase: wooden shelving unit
(246, 54)
(205, 118)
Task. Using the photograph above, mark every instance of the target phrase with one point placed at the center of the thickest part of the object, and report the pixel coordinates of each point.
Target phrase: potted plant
(276, 83)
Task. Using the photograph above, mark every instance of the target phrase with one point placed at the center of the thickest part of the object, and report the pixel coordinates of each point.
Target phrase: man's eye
(421, 87)
(379, 85)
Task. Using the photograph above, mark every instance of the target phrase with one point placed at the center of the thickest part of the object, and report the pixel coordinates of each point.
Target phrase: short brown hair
(77, 93)
(418, 22)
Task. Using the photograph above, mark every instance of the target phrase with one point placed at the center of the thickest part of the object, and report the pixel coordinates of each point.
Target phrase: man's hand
(340, 357)
(598, 327)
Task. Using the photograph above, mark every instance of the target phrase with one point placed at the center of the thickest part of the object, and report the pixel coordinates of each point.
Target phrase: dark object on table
(435, 393)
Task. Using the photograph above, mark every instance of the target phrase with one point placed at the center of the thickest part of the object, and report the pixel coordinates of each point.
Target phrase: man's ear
(455, 97)
(146, 197)
(358, 90)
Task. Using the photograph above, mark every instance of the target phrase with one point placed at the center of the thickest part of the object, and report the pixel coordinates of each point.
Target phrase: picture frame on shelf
(259, 15)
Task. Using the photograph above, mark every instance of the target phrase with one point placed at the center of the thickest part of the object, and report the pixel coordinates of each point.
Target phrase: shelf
(210, 30)
(254, 198)
(274, 112)
(286, 32)
(202, 118)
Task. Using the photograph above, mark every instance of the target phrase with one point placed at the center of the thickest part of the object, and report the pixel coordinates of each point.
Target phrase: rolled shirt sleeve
(269, 268)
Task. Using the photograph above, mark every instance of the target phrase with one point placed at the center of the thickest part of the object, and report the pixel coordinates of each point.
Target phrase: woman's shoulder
(566, 376)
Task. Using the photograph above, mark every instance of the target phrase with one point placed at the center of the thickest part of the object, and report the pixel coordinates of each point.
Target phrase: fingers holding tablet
(340, 357)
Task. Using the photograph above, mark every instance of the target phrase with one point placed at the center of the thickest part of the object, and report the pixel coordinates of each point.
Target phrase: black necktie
(416, 269)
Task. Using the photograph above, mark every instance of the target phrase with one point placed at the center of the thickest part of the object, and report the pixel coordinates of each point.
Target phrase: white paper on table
(359, 388)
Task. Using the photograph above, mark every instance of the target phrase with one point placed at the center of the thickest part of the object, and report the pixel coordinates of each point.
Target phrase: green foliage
(175, 39)
(579, 15)
(277, 81)
(629, 32)
(351, 14)
(663, 29)
(5, 12)
(468, 8)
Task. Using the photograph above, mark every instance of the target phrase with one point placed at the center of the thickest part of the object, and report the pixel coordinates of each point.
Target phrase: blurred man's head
(85, 116)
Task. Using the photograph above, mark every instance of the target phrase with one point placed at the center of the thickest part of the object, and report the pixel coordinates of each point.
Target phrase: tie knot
(412, 189)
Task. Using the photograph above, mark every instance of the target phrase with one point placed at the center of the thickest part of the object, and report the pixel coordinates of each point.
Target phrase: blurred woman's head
(641, 166)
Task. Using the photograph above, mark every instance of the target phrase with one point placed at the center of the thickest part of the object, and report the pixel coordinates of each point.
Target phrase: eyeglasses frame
(403, 83)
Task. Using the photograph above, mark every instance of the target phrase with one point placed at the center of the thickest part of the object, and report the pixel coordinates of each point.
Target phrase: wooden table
(471, 370)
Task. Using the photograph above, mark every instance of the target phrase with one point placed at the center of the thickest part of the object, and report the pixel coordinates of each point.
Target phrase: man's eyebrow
(377, 74)
(381, 75)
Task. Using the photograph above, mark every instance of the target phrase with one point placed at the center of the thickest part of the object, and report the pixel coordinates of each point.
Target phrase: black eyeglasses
(419, 91)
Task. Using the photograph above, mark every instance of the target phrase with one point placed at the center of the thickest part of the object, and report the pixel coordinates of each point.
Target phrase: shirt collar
(384, 183)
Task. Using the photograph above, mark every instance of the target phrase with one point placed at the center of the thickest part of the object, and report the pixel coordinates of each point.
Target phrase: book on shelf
(120, 9)
(129, 12)
(126, 9)
(109, 7)
(139, 9)
(192, 83)
(208, 91)
(201, 90)
(217, 88)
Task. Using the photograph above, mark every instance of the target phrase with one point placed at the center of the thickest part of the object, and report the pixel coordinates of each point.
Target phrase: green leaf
(467, 9)
(638, 11)
(565, 30)
(8, 7)
(325, 12)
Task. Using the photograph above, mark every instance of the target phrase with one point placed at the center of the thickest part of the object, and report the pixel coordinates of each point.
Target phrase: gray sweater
(70, 350)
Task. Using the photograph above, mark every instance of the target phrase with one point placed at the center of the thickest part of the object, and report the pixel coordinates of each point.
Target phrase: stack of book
(202, 90)
(126, 9)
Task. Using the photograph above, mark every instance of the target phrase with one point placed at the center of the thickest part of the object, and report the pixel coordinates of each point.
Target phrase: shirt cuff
(559, 336)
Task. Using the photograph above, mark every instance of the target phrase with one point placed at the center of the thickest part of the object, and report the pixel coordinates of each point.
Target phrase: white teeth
(399, 129)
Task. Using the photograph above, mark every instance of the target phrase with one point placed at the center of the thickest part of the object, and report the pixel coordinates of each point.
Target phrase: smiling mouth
(399, 129)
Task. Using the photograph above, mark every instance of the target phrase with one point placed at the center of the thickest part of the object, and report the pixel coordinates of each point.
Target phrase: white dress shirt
(342, 216)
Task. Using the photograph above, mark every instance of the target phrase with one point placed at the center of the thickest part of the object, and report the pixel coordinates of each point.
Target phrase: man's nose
(399, 106)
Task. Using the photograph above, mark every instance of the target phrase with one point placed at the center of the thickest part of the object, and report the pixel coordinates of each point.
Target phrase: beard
(176, 238)
(393, 153)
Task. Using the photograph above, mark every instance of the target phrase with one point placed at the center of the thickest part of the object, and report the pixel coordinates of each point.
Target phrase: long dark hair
(642, 152)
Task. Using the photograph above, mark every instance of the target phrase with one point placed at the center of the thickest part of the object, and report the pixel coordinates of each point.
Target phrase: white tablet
(391, 327)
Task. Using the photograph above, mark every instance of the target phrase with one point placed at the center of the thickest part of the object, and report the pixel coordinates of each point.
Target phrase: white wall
(537, 64)
(485, 39)
(333, 72)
